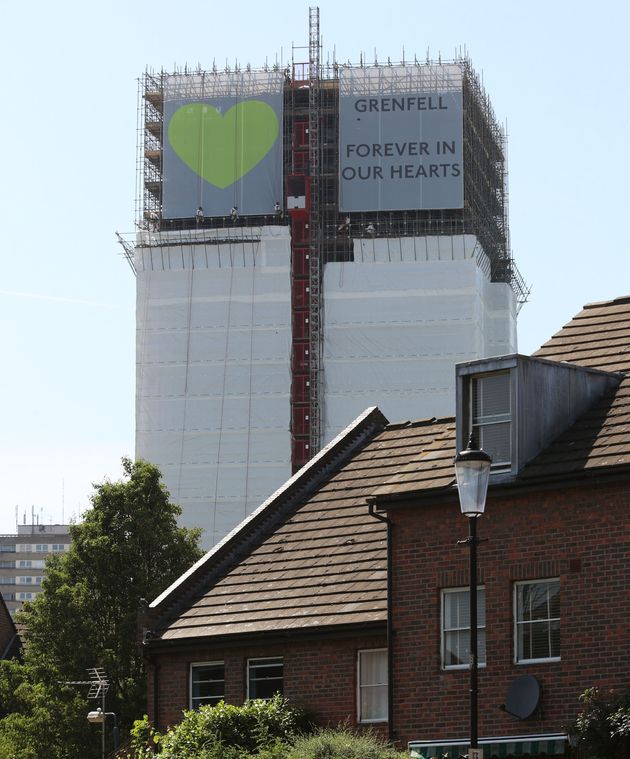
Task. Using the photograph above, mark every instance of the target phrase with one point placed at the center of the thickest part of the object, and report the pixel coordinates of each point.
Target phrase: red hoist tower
(304, 188)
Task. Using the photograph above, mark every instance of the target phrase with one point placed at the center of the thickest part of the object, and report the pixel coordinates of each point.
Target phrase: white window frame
(499, 466)
(443, 631)
(25, 580)
(41, 548)
(360, 685)
(517, 622)
(263, 659)
(24, 564)
(195, 664)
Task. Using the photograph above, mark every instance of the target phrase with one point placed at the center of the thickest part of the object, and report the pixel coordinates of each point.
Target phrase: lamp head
(96, 717)
(472, 470)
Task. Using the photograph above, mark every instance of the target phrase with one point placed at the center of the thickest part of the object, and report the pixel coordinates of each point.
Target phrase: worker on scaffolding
(370, 230)
(277, 210)
(234, 214)
(345, 227)
(154, 221)
(199, 216)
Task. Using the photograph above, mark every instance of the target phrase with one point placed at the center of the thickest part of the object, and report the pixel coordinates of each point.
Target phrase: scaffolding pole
(315, 262)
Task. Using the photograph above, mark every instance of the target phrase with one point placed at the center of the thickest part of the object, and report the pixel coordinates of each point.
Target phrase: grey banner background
(378, 127)
(254, 193)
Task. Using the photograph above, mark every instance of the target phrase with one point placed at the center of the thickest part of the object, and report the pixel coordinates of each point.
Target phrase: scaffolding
(320, 232)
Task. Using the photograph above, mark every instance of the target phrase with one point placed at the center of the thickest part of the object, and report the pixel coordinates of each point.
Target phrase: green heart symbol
(222, 148)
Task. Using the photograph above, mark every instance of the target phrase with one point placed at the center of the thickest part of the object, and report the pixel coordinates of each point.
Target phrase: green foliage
(256, 730)
(603, 726)
(342, 744)
(255, 725)
(128, 547)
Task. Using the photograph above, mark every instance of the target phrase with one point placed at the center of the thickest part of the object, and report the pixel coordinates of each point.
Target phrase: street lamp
(472, 470)
(99, 717)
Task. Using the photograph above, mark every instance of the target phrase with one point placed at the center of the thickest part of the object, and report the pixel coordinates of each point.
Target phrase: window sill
(550, 660)
(462, 667)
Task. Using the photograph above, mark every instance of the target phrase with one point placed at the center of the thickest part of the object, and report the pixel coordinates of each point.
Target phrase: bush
(603, 726)
(231, 732)
(343, 744)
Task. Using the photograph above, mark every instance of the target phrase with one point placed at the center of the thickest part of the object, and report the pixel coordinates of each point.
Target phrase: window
(490, 415)
(41, 548)
(39, 579)
(456, 628)
(24, 547)
(25, 580)
(372, 679)
(537, 620)
(7, 548)
(264, 677)
(26, 596)
(25, 564)
(57, 547)
(207, 683)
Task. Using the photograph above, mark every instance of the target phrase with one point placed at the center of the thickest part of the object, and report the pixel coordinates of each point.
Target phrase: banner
(400, 148)
(222, 145)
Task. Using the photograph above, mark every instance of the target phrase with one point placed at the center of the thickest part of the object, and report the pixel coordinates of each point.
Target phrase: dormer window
(517, 405)
(490, 416)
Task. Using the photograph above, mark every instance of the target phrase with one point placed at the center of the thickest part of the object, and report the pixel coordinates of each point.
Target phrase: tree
(602, 728)
(127, 548)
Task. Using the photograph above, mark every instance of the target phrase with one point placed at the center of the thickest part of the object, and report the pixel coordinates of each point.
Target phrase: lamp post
(99, 717)
(472, 470)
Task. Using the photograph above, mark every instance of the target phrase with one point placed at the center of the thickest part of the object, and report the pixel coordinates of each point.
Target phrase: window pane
(374, 703)
(491, 396)
(456, 649)
(495, 440)
(208, 684)
(373, 667)
(265, 677)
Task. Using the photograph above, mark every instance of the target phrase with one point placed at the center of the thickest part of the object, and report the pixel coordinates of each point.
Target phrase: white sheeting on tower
(213, 368)
(400, 316)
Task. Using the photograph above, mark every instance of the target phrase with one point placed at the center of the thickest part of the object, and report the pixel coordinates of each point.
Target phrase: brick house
(347, 591)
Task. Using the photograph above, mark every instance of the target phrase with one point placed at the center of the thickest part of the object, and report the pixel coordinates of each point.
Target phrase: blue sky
(556, 72)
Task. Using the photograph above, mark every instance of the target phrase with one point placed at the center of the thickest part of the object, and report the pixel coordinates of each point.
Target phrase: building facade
(351, 254)
(23, 560)
(348, 592)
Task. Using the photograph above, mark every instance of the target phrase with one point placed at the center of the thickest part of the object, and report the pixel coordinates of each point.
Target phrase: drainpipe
(156, 700)
(390, 628)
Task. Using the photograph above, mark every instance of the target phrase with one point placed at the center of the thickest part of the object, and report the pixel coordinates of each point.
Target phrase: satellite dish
(523, 697)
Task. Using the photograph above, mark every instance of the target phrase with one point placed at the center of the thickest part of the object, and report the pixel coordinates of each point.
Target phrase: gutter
(390, 628)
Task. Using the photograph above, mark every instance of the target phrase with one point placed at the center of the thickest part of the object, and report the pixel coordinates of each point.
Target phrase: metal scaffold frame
(315, 260)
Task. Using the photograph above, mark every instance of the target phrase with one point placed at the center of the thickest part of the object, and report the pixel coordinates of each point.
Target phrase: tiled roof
(325, 564)
(321, 560)
(599, 337)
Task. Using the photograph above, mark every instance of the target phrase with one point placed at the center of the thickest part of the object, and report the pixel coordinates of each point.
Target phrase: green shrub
(216, 730)
(342, 744)
(602, 728)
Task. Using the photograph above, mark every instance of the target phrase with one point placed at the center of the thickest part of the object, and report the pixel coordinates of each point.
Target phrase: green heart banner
(221, 151)
(222, 148)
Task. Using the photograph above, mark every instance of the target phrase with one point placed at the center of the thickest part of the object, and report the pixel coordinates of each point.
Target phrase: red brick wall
(319, 675)
(580, 535)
